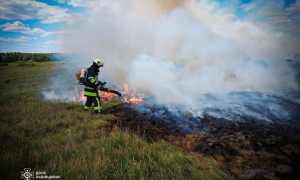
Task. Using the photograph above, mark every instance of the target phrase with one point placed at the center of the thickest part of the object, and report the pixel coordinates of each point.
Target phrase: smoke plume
(178, 50)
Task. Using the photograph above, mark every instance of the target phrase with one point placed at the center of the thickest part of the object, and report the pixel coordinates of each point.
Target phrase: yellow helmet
(99, 62)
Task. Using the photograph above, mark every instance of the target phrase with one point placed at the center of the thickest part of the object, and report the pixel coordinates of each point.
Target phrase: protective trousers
(97, 104)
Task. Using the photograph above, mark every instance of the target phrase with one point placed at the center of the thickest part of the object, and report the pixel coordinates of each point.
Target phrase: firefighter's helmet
(99, 62)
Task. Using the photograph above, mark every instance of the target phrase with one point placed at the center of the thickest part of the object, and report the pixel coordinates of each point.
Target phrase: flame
(80, 97)
(132, 96)
(133, 100)
(126, 88)
(104, 97)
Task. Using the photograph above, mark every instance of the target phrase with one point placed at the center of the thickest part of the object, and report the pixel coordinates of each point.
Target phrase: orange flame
(126, 88)
(132, 99)
(132, 96)
(80, 97)
(105, 97)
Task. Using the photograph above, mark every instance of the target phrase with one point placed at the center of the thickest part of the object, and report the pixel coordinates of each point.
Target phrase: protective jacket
(90, 89)
(92, 77)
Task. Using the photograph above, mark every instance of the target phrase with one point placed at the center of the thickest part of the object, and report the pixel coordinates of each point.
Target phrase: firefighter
(91, 92)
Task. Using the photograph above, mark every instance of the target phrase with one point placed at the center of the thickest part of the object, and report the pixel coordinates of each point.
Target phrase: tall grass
(63, 140)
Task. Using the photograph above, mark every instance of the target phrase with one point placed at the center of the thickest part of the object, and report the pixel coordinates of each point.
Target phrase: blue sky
(32, 34)
(38, 26)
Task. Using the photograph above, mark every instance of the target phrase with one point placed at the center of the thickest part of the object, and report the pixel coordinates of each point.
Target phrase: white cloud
(279, 19)
(84, 3)
(55, 42)
(274, 15)
(19, 39)
(247, 7)
(258, 8)
(60, 36)
(17, 26)
(271, 8)
(294, 8)
(26, 9)
(61, 1)
(60, 33)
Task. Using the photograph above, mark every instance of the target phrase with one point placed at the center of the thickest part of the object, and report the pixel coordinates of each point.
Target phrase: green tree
(39, 57)
(20, 58)
(17, 56)
(26, 57)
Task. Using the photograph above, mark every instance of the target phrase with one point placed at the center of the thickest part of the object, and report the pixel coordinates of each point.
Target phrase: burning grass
(129, 96)
(63, 140)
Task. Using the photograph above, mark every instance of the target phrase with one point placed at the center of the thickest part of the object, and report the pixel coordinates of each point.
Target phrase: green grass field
(61, 139)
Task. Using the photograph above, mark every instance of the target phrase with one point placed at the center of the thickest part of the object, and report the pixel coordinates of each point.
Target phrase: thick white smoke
(178, 50)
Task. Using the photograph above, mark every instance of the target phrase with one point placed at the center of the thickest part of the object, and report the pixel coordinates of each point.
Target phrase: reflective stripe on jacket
(92, 77)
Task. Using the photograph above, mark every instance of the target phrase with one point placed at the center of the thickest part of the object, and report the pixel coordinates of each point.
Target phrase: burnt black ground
(249, 150)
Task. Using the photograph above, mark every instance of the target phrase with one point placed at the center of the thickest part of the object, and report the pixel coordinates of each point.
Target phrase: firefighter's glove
(100, 83)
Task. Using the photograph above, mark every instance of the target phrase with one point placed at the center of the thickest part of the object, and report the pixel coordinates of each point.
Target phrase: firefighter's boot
(86, 108)
(97, 110)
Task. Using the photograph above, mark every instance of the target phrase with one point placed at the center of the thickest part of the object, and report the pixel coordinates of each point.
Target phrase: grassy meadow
(61, 139)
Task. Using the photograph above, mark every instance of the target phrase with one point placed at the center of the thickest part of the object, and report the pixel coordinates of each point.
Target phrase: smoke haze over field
(179, 50)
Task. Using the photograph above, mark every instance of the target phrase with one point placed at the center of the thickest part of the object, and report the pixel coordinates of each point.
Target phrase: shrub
(25, 64)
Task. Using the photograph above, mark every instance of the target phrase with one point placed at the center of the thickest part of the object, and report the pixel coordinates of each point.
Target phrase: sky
(40, 26)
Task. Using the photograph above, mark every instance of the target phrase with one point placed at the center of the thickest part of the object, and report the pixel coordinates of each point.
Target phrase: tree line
(10, 57)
